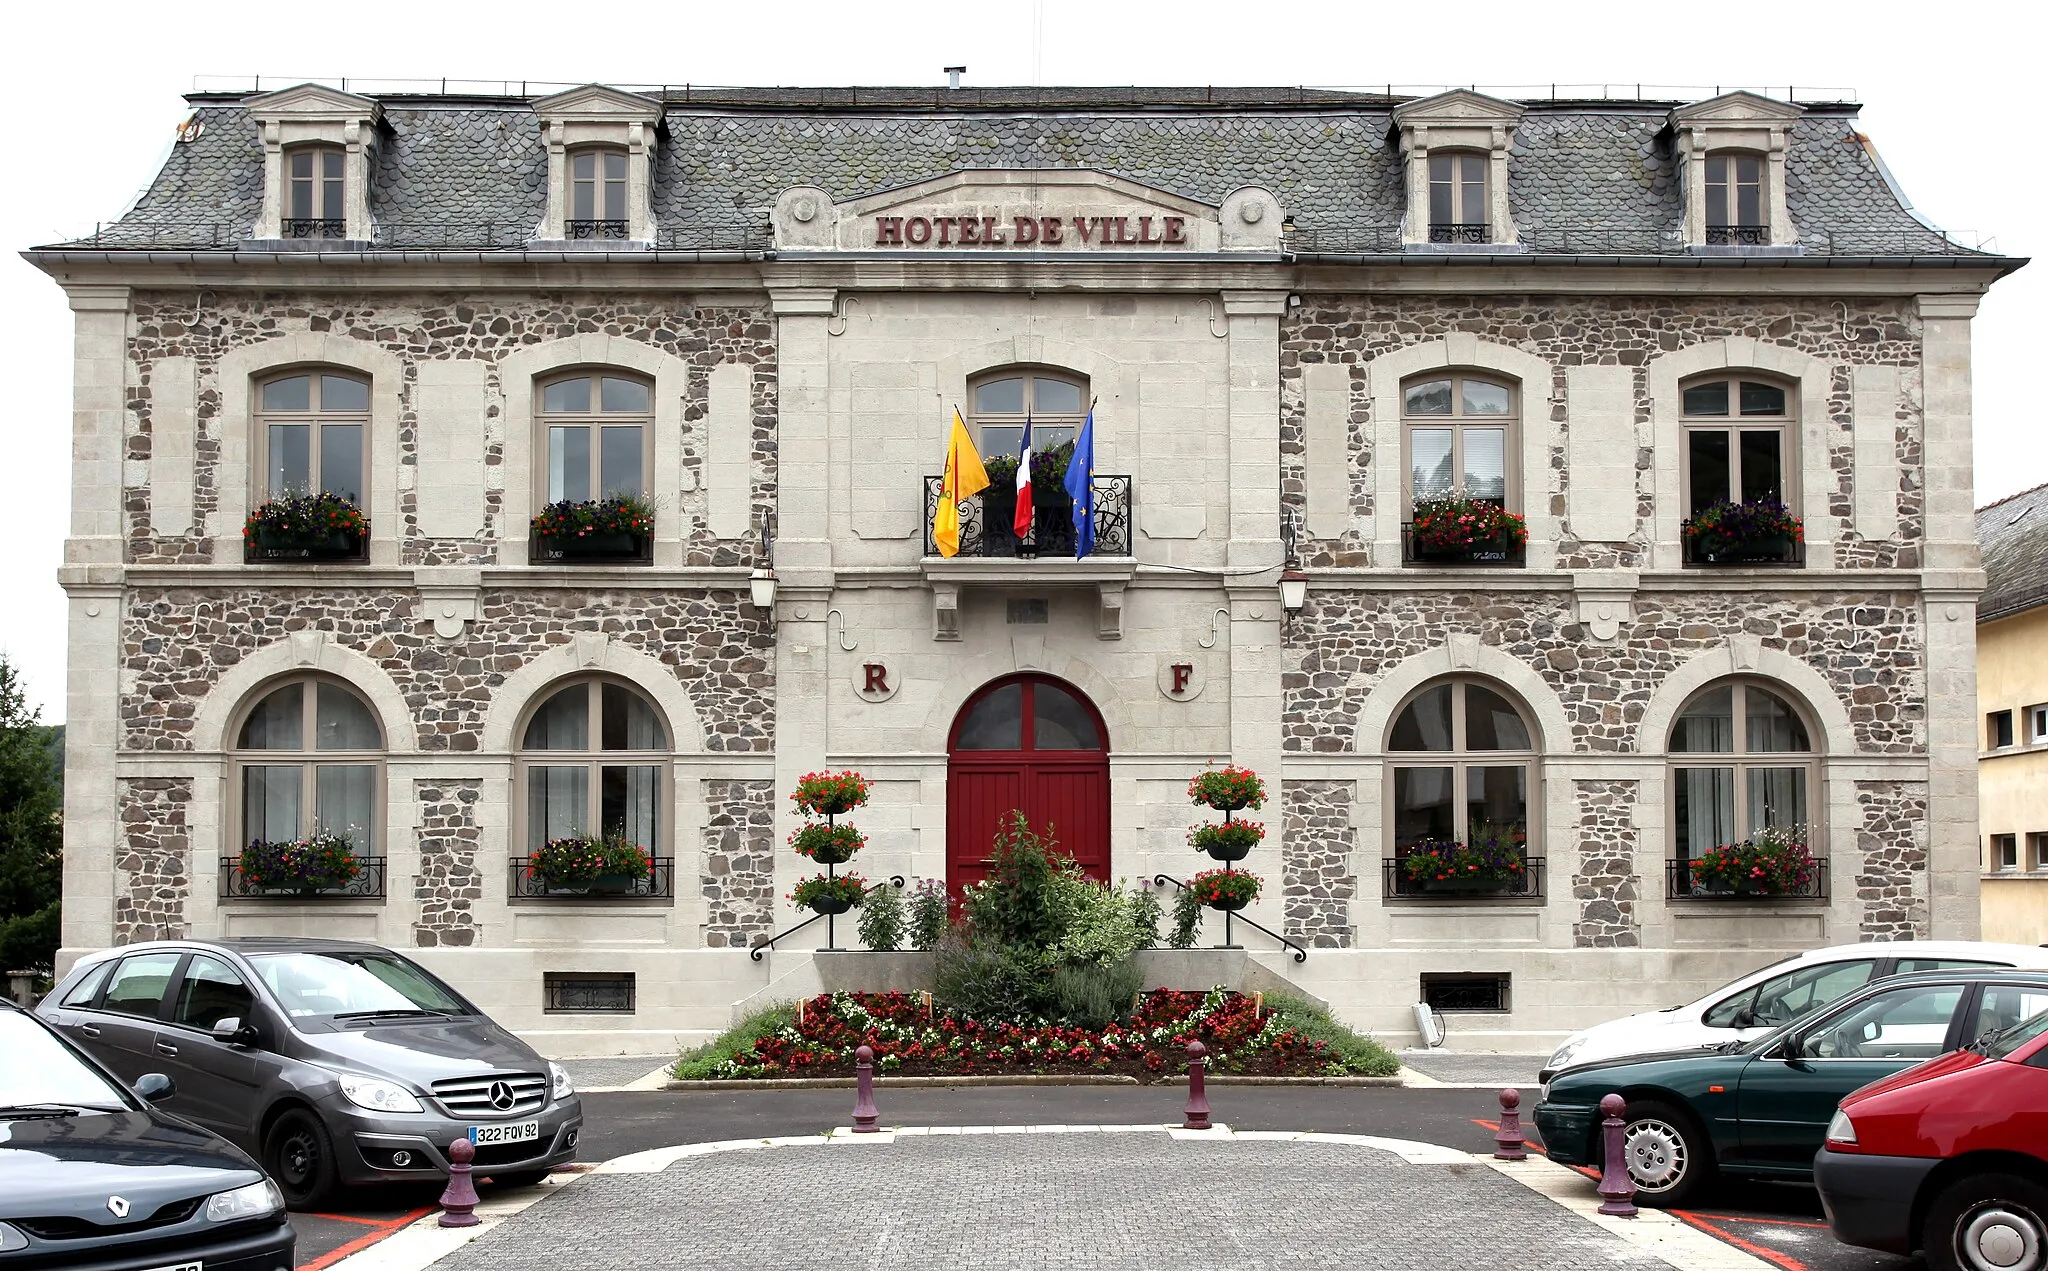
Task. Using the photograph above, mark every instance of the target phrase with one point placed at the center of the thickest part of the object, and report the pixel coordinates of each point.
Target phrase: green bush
(1187, 919)
(990, 982)
(1145, 915)
(1102, 926)
(1358, 1056)
(927, 914)
(881, 919)
(1019, 903)
(701, 1063)
(1095, 995)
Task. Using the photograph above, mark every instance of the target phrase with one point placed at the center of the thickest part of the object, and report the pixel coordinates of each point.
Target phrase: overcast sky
(1952, 100)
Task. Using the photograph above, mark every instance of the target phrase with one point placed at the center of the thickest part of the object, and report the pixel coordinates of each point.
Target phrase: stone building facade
(1292, 313)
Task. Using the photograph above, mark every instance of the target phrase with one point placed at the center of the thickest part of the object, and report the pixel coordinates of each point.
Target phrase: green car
(1761, 1108)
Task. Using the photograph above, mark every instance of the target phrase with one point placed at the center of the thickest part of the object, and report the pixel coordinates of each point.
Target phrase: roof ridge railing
(1016, 94)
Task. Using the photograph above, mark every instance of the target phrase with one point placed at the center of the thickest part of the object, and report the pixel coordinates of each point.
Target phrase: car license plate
(182, 1266)
(515, 1132)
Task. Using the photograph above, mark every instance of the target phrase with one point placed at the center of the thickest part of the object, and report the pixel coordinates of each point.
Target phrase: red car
(1951, 1156)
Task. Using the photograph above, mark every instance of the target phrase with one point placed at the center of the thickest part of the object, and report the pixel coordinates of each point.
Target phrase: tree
(31, 830)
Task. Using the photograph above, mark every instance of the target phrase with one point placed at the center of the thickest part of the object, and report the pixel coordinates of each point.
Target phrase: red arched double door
(1035, 744)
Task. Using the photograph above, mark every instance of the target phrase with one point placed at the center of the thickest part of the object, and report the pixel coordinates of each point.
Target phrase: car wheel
(1668, 1159)
(300, 1156)
(1989, 1222)
(523, 1178)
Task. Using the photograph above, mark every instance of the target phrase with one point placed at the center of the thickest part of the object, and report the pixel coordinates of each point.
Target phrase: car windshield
(2003, 1043)
(343, 983)
(39, 1072)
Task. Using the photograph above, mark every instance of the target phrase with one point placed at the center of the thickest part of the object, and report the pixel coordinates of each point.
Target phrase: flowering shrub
(300, 517)
(1773, 863)
(1227, 789)
(1230, 834)
(927, 913)
(1222, 886)
(831, 793)
(1048, 471)
(573, 862)
(910, 1037)
(1728, 526)
(846, 889)
(1492, 857)
(827, 844)
(322, 861)
(1453, 523)
(569, 519)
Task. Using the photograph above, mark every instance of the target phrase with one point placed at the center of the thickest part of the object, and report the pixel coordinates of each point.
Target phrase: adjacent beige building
(2012, 694)
(1291, 313)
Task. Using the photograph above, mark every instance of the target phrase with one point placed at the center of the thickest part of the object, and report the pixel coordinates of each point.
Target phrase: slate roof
(1584, 178)
(2013, 534)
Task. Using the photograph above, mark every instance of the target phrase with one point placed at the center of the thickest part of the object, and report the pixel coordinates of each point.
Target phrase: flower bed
(911, 1038)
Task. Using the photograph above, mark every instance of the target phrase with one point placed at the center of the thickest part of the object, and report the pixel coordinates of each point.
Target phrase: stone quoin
(1300, 326)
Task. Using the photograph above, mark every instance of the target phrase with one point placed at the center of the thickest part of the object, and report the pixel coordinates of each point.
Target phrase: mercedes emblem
(118, 1206)
(502, 1097)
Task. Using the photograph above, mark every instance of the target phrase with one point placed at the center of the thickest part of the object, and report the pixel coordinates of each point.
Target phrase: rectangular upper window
(315, 206)
(1738, 442)
(1458, 211)
(2037, 725)
(310, 433)
(597, 194)
(1998, 730)
(1736, 214)
(595, 430)
(2005, 851)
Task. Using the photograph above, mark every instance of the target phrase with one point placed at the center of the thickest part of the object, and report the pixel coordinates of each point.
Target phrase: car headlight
(11, 1239)
(1564, 1053)
(378, 1096)
(253, 1201)
(563, 1086)
(1841, 1129)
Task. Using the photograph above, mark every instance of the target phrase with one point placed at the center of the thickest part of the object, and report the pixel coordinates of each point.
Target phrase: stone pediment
(312, 102)
(595, 103)
(1032, 210)
(1460, 106)
(1737, 108)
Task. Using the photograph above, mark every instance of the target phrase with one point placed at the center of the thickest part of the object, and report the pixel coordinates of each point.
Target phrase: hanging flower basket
(827, 844)
(1743, 533)
(1230, 841)
(831, 793)
(1227, 890)
(601, 866)
(1775, 862)
(307, 866)
(830, 895)
(1227, 789)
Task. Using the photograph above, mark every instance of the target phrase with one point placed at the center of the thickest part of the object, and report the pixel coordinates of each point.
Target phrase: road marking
(1784, 1260)
(1661, 1235)
(383, 1230)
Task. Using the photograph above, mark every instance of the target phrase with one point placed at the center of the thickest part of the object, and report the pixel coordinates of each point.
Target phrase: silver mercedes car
(331, 1062)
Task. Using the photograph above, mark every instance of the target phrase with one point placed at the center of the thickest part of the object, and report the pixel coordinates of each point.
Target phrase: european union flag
(1080, 483)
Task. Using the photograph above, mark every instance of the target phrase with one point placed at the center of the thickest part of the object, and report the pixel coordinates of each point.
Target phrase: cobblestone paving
(1506, 1070)
(613, 1070)
(1140, 1201)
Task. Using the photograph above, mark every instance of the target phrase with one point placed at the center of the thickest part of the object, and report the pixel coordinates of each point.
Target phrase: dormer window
(1457, 198)
(1735, 200)
(316, 204)
(597, 193)
(1457, 145)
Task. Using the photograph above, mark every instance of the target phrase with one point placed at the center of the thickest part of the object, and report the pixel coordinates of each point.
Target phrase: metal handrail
(1300, 951)
(754, 950)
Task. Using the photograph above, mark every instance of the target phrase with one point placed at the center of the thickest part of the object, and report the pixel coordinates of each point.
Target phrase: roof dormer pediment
(595, 103)
(307, 102)
(1460, 106)
(1738, 108)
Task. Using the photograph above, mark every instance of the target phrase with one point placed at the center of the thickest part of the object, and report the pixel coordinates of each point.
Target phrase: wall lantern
(1293, 588)
(761, 583)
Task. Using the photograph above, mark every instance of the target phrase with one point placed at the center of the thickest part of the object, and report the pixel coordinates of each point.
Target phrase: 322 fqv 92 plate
(513, 1132)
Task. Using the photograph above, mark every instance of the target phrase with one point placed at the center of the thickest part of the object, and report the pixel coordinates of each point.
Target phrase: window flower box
(301, 867)
(1454, 530)
(617, 529)
(1759, 532)
(1775, 862)
(1496, 860)
(305, 527)
(608, 866)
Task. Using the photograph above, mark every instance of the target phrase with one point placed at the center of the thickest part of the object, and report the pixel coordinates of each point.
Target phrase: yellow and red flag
(965, 478)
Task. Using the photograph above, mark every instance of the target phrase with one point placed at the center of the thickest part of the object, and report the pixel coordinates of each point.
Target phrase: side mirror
(154, 1087)
(234, 1032)
(1744, 1018)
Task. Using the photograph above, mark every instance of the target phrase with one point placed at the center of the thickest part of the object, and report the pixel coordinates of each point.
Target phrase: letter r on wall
(877, 678)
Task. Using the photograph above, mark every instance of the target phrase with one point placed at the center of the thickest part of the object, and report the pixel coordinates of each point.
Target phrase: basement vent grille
(1453, 993)
(587, 992)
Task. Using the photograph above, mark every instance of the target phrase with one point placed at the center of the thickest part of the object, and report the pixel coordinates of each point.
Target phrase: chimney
(953, 74)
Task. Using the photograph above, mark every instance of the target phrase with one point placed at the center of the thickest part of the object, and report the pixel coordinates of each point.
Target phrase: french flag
(1021, 523)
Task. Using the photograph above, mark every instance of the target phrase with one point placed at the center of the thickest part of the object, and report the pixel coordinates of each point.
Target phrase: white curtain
(1706, 809)
(557, 799)
(270, 802)
(345, 801)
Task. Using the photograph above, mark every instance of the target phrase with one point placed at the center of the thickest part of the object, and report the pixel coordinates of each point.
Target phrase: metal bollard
(1198, 1094)
(864, 1114)
(1617, 1189)
(1508, 1143)
(458, 1203)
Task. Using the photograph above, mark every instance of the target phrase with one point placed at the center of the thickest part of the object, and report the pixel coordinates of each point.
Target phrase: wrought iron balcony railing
(527, 885)
(368, 884)
(1460, 232)
(1679, 884)
(597, 229)
(315, 227)
(1498, 553)
(1738, 236)
(988, 529)
(1785, 551)
(1396, 885)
